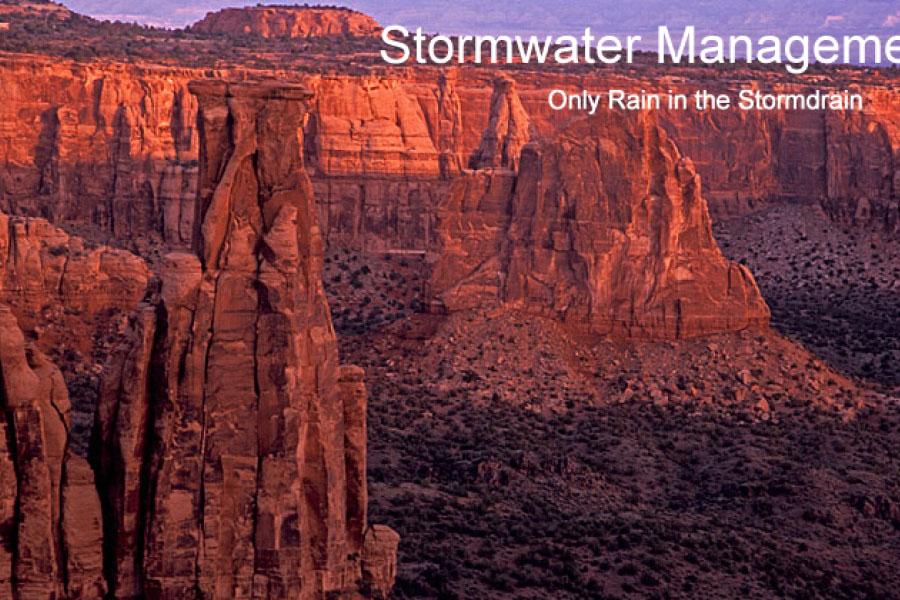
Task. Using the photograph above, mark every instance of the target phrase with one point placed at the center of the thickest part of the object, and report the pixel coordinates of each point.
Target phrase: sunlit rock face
(603, 227)
(114, 148)
(107, 147)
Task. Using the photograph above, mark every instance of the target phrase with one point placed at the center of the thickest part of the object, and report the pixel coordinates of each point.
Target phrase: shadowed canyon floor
(520, 460)
(835, 289)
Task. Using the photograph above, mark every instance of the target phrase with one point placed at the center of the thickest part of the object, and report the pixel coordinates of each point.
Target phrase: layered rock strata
(114, 147)
(604, 228)
(102, 146)
(233, 438)
(848, 161)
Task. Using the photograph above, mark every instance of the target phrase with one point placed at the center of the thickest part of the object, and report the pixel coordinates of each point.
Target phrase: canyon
(190, 250)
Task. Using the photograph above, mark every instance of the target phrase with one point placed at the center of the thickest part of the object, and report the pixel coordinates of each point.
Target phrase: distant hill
(288, 22)
(42, 8)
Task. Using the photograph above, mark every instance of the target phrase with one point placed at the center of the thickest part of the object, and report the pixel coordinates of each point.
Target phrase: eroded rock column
(251, 467)
(603, 227)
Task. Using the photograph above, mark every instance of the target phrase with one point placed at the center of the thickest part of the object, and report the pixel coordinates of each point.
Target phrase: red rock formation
(507, 130)
(845, 160)
(375, 167)
(107, 146)
(862, 164)
(57, 284)
(64, 293)
(40, 263)
(113, 147)
(50, 541)
(604, 228)
(288, 22)
(252, 469)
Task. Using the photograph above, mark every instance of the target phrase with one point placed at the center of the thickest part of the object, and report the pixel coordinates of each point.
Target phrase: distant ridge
(288, 21)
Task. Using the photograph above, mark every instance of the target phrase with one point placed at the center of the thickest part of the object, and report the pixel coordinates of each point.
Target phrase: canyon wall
(104, 146)
(849, 161)
(113, 147)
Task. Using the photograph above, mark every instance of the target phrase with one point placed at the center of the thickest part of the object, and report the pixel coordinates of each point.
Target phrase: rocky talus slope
(521, 458)
(824, 285)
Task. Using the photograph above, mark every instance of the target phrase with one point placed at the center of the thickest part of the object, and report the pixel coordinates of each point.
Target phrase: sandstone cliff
(288, 22)
(41, 265)
(108, 147)
(604, 228)
(67, 296)
(862, 164)
(71, 298)
(233, 438)
(114, 148)
(845, 160)
(51, 538)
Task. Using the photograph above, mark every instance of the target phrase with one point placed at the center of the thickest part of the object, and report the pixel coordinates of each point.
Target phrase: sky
(543, 17)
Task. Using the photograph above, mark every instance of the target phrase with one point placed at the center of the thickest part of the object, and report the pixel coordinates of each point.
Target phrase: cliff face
(51, 539)
(228, 412)
(862, 184)
(71, 298)
(67, 296)
(288, 22)
(41, 265)
(108, 147)
(604, 228)
(847, 161)
(375, 163)
(113, 147)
